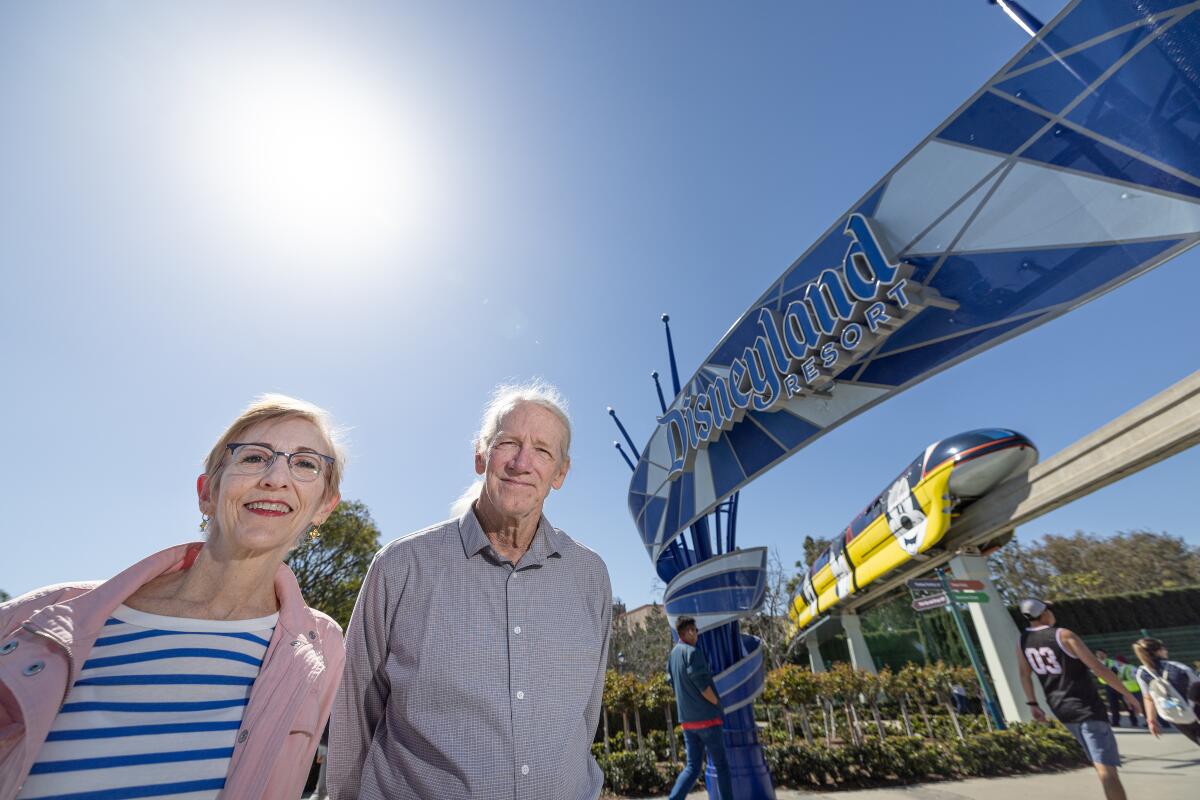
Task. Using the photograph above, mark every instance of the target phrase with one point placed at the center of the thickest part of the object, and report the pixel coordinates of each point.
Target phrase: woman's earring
(203, 522)
(314, 533)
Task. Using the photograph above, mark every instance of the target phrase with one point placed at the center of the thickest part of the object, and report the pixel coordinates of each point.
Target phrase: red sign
(966, 586)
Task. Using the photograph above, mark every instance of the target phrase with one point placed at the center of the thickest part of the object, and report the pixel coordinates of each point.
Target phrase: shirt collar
(76, 623)
(546, 542)
(473, 537)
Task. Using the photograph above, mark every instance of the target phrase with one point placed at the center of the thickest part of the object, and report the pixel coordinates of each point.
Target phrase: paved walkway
(1153, 769)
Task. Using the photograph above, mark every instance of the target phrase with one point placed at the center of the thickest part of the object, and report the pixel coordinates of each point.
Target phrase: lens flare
(304, 151)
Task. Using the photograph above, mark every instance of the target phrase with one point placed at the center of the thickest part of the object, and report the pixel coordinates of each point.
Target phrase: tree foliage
(770, 623)
(640, 649)
(813, 547)
(1059, 567)
(331, 569)
(1127, 613)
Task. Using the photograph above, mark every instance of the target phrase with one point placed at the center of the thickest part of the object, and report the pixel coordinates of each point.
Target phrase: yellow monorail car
(912, 515)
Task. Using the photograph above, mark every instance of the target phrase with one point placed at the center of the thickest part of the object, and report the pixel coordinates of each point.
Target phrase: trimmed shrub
(915, 760)
(635, 774)
(1017, 750)
(799, 765)
(904, 759)
(1126, 612)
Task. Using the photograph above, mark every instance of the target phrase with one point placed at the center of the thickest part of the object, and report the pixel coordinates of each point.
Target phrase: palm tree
(611, 689)
(895, 686)
(626, 697)
(917, 681)
(843, 687)
(871, 686)
(637, 698)
(796, 689)
(774, 694)
(803, 693)
(660, 693)
(824, 684)
(941, 678)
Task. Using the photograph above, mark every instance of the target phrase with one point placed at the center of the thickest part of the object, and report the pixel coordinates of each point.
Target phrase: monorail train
(909, 517)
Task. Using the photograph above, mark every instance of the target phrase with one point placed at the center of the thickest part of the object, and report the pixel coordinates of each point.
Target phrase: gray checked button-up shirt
(469, 677)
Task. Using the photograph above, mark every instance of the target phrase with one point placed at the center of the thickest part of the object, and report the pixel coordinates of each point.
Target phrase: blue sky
(389, 208)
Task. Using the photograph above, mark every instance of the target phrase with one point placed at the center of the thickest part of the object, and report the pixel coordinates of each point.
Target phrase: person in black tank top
(1064, 666)
(1070, 689)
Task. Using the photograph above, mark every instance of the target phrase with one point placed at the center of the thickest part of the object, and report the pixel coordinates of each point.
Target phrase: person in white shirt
(1182, 678)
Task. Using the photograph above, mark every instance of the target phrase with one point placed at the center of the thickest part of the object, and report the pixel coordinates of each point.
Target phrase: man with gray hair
(477, 649)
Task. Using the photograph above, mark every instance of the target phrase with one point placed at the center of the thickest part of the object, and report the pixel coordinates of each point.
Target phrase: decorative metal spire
(613, 413)
(666, 319)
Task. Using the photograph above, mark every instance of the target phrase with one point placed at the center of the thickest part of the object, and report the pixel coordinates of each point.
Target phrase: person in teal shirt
(700, 713)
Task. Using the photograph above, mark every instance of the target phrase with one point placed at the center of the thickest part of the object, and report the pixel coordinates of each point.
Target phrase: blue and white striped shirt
(154, 712)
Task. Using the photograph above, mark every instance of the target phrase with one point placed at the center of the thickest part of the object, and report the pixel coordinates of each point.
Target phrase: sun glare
(304, 152)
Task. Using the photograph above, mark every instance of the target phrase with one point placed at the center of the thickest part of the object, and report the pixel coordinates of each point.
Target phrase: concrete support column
(860, 655)
(814, 655)
(999, 638)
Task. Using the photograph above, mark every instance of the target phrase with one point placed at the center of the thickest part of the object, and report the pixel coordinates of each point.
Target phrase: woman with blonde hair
(1171, 689)
(199, 671)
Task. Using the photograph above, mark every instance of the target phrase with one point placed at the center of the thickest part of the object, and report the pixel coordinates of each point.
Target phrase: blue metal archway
(1072, 170)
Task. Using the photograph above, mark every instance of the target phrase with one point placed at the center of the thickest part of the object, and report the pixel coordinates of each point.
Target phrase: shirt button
(517, 629)
(34, 668)
(312, 635)
(520, 695)
(243, 736)
(10, 646)
(524, 769)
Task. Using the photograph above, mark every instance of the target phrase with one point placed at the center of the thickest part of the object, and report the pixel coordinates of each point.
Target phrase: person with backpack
(1062, 663)
(1171, 689)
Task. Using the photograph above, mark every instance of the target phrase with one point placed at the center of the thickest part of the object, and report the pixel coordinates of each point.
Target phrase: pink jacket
(46, 635)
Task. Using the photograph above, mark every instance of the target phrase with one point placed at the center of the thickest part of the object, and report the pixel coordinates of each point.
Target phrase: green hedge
(634, 774)
(895, 648)
(895, 760)
(1163, 608)
(903, 759)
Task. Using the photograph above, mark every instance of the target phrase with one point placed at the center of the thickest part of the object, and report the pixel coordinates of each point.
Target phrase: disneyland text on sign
(843, 310)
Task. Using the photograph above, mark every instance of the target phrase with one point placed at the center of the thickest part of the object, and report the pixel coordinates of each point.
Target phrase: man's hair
(505, 398)
(683, 623)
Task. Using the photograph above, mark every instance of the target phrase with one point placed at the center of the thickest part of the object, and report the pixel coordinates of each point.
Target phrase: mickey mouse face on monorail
(905, 517)
(843, 571)
(807, 590)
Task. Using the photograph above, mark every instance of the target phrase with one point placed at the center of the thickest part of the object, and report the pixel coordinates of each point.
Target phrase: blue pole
(724, 646)
(747, 765)
(671, 354)
(1017, 13)
(701, 540)
(717, 523)
(612, 412)
(733, 509)
(628, 461)
(662, 401)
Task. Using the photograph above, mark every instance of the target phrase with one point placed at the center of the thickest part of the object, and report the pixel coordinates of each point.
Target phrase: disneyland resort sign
(844, 309)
